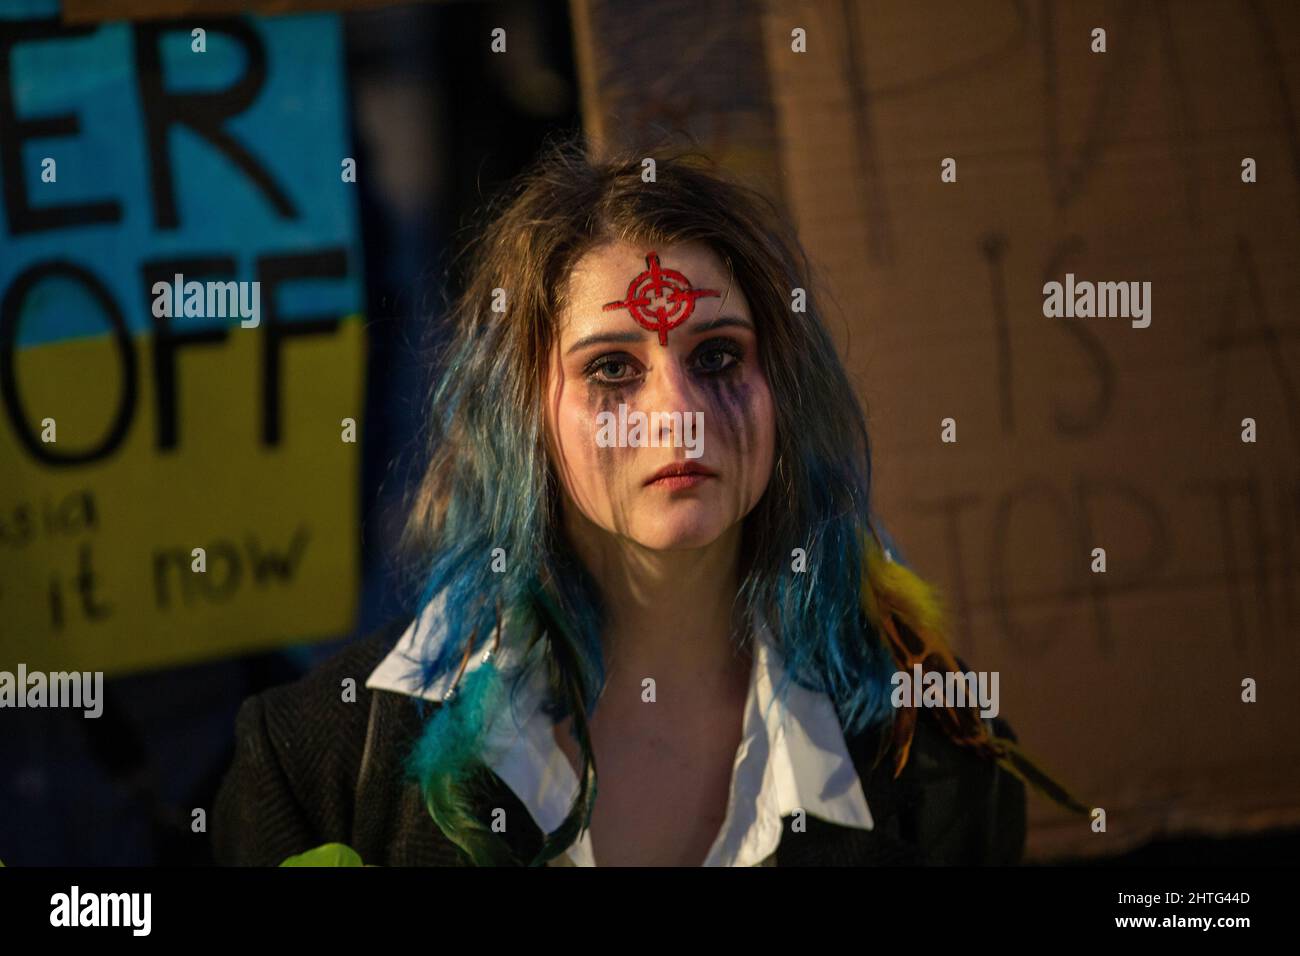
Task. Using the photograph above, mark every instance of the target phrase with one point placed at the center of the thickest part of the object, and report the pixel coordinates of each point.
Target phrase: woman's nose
(670, 387)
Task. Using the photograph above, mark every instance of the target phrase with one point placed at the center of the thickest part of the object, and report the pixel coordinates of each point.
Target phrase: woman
(647, 547)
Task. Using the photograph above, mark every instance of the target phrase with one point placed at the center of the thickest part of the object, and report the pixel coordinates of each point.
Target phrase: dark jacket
(311, 768)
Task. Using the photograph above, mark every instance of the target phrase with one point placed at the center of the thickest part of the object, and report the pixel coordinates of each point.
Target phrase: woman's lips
(680, 475)
(678, 482)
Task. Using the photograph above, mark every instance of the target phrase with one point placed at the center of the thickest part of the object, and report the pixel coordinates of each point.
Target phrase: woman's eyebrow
(721, 322)
(601, 338)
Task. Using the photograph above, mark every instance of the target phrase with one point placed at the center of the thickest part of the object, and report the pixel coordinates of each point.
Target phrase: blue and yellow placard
(180, 340)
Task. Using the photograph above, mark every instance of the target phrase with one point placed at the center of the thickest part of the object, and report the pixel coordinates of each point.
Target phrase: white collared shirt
(794, 758)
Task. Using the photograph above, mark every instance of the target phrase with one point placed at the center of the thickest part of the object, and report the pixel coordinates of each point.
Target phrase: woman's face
(659, 416)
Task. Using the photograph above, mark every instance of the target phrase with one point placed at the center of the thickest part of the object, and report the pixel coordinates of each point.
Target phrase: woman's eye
(611, 370)
(717, 358)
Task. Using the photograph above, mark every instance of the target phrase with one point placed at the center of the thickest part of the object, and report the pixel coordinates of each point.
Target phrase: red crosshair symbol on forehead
(660, 299)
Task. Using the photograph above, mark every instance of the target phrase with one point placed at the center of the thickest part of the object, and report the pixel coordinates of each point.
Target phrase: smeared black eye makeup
(613, 370)
(718, 355)
(715, 356)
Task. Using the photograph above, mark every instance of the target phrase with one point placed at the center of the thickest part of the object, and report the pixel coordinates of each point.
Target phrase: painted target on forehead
(660, 299)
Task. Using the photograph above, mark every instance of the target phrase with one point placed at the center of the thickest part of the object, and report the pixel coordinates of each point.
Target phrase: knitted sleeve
(963, 809)
(257, 819)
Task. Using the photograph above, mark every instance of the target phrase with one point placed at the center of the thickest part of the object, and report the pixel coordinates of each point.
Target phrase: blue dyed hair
(490, 483)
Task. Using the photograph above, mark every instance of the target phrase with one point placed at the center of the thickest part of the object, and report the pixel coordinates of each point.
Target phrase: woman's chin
(678, 532)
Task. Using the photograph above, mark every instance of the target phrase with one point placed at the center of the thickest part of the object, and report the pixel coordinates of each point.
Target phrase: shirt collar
(789, 758)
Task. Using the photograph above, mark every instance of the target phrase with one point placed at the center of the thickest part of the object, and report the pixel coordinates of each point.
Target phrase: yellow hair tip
(902, 589)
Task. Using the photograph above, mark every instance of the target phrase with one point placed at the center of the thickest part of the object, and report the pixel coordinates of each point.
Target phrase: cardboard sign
(180, 342)
(1076, 431)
